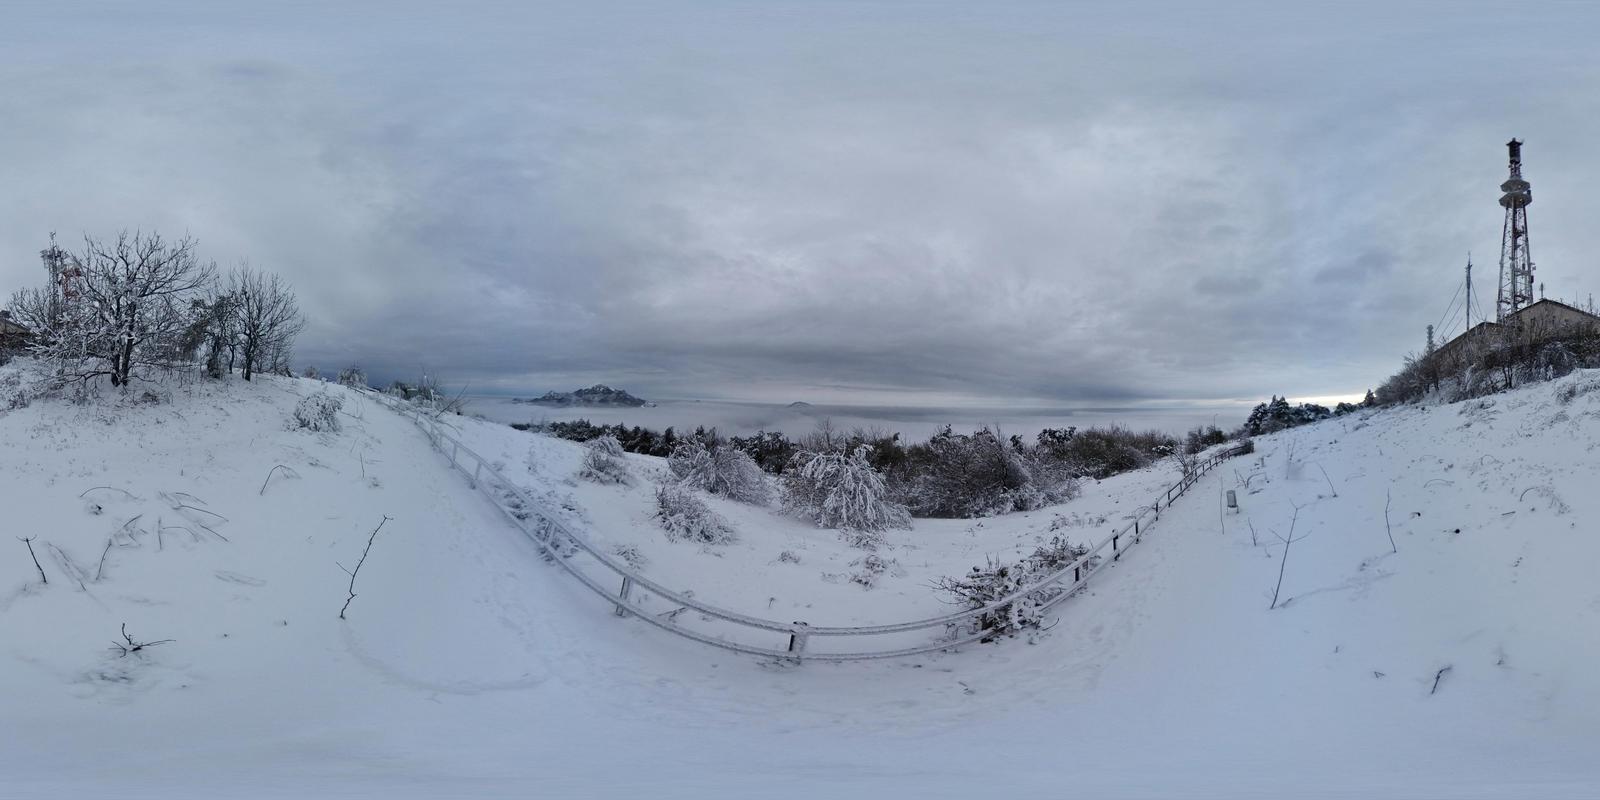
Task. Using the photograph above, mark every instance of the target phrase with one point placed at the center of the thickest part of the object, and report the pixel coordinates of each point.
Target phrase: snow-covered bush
(353, 377)
(1574, 389)
(720, 470)
(318, 412)
(842, 491)
(429, 394)
(871, 567)
(979, 475)
(986, 584)
(685, 516)
(630, 555)
(603, 462)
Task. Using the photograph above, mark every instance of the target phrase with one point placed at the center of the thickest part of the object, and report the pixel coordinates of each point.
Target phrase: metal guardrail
(550, 535)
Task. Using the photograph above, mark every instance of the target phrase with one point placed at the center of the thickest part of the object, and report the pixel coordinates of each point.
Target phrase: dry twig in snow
(352, 572)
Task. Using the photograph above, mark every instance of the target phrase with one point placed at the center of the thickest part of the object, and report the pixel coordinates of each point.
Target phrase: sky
(1098, 204)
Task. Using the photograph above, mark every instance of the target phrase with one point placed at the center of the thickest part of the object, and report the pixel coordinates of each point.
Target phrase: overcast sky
(902, 202)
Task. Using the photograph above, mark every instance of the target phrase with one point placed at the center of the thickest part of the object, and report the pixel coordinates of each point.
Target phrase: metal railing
(627, 589)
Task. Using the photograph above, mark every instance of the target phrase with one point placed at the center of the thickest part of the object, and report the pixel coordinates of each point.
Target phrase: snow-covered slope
(469, 667)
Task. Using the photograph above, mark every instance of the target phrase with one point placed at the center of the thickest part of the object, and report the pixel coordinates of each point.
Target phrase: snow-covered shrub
(429, 394)
(353, 377)
(630, 555)
(871, 567)
(788, 557)
(720, 470)
(312, 373)
(841, 491)
(1572, 390)
(685, 516)
(318, 412)
(986, 584)
(979, 475)
(603, 462)
(1076, 520)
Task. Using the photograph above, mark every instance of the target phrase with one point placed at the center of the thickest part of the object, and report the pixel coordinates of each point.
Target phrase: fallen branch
(1437, 676)
(192, 534)
(68, 566)
(132, 646)
(201, 510)
(286, 470)
(124, 529)
(111, 488)
(100, 570)
(1387, 528)
(29, 542)
(352, 572)
(1329, 480)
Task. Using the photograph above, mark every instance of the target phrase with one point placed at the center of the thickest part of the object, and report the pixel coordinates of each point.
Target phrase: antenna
(1469, 290)
(1516, 258)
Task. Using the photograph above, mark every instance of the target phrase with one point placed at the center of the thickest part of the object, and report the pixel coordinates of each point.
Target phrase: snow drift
(1457, 661)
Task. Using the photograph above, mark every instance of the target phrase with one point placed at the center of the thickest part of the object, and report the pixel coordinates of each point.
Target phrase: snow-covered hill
(470, 667)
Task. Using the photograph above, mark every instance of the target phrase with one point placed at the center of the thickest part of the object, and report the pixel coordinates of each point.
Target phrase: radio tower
(1516, 261)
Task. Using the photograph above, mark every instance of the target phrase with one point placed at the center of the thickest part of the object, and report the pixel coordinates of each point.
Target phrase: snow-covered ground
(470, 667)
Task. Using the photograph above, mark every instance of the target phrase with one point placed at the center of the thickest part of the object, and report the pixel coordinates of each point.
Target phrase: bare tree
(115, 306)
(267, 319)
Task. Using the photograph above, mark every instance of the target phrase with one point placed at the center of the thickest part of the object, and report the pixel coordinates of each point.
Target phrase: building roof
(7, 326)
(1544, 300)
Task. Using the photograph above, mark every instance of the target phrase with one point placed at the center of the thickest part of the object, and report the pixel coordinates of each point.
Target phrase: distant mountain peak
(596, 395)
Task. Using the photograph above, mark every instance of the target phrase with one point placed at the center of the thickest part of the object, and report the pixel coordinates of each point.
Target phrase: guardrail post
(476, 471)
(1169, 495)
(1077, 573)
(1115, 553)
(454, 449)
(622, 596)
(1136, 529)
(797, 639)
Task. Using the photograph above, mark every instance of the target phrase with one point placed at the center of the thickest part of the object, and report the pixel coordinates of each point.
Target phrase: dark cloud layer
(835, 201)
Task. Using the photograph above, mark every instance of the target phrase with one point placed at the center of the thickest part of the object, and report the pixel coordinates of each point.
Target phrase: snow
(469, 667)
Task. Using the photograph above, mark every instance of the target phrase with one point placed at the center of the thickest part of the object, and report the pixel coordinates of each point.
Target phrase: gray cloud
(832, 201)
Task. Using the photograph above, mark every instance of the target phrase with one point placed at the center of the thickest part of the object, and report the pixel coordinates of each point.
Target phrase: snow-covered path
(469, 667)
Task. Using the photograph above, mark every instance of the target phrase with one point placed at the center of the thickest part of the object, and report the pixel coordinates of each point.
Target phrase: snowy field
(914, 424)
(1457, 662)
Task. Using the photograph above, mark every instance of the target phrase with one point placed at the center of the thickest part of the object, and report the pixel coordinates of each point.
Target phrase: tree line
(138, 303)
(950, 474)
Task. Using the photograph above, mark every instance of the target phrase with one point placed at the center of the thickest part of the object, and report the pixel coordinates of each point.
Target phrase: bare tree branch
(128, 645)
(289, 471)
(1387, 499)
(29, 542)
(352, 572)
(1284, 562)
